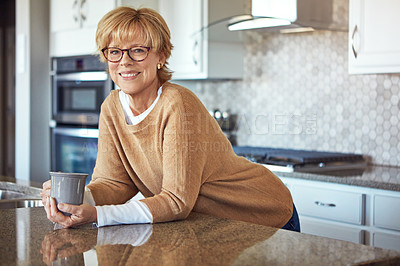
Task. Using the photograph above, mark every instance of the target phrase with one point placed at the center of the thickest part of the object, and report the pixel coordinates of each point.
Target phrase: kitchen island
(28, 238)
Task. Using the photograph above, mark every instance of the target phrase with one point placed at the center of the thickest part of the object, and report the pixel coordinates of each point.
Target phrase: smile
(129, 75)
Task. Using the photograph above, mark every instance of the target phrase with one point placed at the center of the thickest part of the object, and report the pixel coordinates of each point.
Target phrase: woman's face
(135, 78)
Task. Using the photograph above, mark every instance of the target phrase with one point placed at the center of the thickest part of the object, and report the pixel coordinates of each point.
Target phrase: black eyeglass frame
(127, 51)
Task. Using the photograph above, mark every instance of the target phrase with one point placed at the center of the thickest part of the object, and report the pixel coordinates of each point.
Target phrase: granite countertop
(373, 176)
(363, 174)
(23, 184)
(30, 191)
(28, 238)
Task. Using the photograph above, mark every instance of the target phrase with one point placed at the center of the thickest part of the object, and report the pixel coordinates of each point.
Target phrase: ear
(162, 58)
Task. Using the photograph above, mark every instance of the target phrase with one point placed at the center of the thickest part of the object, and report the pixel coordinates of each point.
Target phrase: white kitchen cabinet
(153, 4)
(387, 211)
(331, 229)
(202, 52)
(330, 204)
(327, 210)
(374, 39)
(74, 14)
(69, 21)
(352, 213)
(386, 240)
(73, 23)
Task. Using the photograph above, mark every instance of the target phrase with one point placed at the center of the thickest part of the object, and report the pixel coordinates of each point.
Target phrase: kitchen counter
(24, 184)
(305, 164)
(28, 238)
(373, 176)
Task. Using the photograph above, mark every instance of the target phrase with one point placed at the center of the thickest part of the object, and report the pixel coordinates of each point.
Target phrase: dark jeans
(294, 223)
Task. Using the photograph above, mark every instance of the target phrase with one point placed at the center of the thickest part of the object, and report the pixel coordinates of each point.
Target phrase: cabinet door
(387, 212)
(385, 240)
(74, 14)
(91, 11)
(64, 15)
(73, 25)
(331, 230)
(153, 4)
(330, 204)
(185, 20)
(374, 38)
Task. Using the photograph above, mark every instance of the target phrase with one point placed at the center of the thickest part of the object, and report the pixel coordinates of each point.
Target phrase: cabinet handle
(81, 12)
(319, 203)
(75, 14)
(194, 52)
(355, 30)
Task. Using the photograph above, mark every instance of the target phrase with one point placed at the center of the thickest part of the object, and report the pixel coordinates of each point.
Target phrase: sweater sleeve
(110, 183)
(182, 166)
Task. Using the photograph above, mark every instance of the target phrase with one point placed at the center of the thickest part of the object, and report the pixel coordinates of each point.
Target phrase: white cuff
(132, 212)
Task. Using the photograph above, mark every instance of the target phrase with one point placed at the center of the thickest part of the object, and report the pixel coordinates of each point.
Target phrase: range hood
(286, 15)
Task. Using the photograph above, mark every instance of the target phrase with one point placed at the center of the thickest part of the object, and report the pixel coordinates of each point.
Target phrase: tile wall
(296, 93)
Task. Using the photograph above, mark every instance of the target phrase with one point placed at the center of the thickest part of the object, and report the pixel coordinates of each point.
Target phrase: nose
(125, 58)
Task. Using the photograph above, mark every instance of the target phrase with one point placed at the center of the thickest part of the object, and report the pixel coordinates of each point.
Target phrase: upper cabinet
(374, 40)
(73, 23)
(203, 49)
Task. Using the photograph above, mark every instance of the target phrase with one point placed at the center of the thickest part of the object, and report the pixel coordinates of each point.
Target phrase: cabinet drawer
(384, 240)
(331, 230)
(330, 204)
(387, 212)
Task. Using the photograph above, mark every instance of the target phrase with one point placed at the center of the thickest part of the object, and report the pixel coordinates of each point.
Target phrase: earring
(159, 66)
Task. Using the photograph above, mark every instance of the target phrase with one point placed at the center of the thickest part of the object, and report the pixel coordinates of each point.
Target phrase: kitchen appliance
(79, 86)
(287, 15)
(291, 160)
(74, 150)
(228, 124)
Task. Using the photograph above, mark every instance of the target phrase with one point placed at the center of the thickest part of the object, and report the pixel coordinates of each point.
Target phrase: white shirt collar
(130, 118)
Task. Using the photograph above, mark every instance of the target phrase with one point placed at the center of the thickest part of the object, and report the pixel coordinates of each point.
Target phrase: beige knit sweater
(180, 160)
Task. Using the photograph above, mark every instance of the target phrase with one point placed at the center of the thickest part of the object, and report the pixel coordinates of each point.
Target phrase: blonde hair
(125, 24)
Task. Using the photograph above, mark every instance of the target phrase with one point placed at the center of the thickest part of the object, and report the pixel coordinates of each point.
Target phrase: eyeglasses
(137, 53)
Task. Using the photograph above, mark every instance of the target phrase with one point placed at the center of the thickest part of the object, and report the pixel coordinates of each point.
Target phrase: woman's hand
(81, 214)
(45, 191)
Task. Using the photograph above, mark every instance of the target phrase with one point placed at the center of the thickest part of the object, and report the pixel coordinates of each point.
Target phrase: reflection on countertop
(27, 237)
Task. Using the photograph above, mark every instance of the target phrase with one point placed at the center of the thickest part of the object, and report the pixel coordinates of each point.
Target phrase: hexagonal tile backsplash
(297, 93)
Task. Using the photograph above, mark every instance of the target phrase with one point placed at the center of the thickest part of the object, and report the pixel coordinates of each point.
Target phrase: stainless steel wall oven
(74, 149)
(79, 86)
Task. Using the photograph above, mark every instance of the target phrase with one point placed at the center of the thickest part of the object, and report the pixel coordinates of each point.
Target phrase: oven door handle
(77, 132)
(83, 76)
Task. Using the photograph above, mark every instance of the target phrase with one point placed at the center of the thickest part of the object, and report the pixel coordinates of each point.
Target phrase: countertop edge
(345, 180)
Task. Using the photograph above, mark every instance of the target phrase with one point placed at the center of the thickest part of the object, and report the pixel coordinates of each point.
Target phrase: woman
(157, 138)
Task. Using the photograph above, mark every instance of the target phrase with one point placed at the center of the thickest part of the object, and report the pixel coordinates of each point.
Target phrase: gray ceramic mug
(67, 188)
